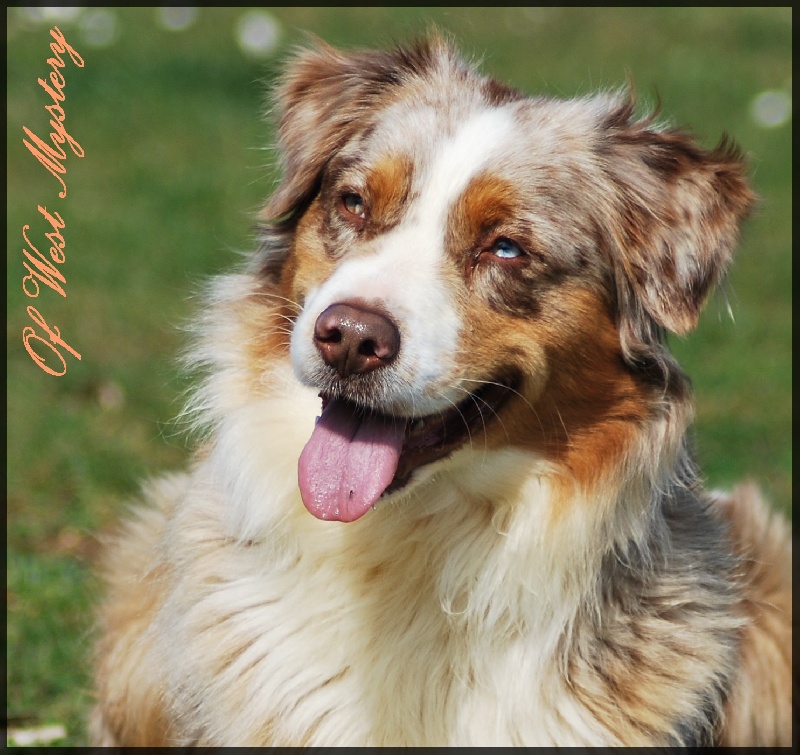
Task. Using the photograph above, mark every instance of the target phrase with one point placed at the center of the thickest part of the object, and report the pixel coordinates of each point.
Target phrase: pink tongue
(348, 462)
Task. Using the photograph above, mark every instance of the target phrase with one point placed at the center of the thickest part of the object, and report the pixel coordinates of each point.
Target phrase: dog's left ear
(679, 208)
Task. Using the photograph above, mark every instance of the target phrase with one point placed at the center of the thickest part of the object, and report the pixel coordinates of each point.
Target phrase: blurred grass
(174, 168)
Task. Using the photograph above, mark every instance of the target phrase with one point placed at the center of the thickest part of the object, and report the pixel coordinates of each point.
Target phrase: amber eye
(354, 204)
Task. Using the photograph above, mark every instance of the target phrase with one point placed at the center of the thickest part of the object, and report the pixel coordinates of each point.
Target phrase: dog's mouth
(355, 455)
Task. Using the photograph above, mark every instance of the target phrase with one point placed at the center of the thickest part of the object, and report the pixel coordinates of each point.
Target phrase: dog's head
(473, 267)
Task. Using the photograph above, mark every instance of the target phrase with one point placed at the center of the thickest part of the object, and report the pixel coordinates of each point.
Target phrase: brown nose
(352, 339)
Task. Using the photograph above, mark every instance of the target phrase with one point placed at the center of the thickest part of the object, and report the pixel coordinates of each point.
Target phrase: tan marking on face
(579, 406)
(264, 321)
(308, 265)
(388, 189)
(487, 202)
(269, 314)
(551, 323)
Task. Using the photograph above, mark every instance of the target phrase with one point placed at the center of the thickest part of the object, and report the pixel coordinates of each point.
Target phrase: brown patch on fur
(497, 93)
(376, 573)
(580, 406)
(487, 203)
(308, 264)
(268, 314)
(388, 187)
(591, 411)
(267, 319)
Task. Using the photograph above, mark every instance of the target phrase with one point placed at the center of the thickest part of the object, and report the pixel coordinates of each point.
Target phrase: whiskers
(487, 410)
(285, 314)
(296, 307)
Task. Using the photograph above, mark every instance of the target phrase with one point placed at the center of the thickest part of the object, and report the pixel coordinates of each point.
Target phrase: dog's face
(475, 269)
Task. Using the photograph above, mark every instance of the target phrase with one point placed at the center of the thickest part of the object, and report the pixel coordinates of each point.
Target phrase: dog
(446, 494)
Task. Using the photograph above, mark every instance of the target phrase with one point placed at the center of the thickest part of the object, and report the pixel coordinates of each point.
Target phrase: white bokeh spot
(176, 18)
(99, 27)
(51, 14)
(258, 33)
(771, 108)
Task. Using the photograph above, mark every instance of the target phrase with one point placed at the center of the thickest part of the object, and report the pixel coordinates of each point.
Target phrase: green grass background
(175, 166)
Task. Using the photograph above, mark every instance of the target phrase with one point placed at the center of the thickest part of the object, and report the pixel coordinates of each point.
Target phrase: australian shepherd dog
(445, 494)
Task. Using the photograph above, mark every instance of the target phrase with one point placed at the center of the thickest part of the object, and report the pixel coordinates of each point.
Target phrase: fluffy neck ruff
(498, 565)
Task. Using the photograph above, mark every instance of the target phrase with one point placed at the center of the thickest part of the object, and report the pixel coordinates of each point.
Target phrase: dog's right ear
(322, 100)
(678, 213)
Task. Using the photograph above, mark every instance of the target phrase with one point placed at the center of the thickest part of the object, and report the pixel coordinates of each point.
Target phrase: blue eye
(505, 249)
